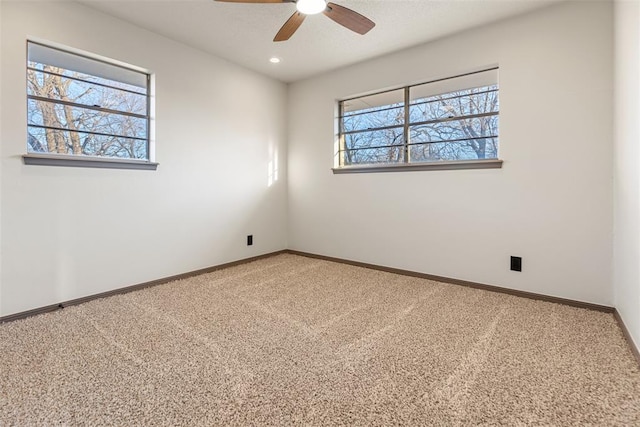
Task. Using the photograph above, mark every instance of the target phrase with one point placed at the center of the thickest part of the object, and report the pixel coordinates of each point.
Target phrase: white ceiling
(243, 33)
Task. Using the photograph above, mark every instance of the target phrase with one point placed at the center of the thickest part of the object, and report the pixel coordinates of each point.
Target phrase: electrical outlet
(516, 263)
(250, 240)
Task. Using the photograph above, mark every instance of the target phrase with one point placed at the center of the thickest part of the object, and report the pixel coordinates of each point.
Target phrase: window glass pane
(50, 114)
(39, 54)
(454, 84)
(393, 154)
(378, 138)
(484, 148)
(455, 104)
(374, 119)
(448, 130)
(373, 111)
(81, 92)
(64, 142)
(38, 67)
(373, 102)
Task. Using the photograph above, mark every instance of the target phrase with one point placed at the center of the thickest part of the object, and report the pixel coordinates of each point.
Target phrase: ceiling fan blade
(256, 1)
(289, 27)
(349, 18)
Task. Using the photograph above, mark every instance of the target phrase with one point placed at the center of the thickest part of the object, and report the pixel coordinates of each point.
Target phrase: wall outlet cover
(516, 263)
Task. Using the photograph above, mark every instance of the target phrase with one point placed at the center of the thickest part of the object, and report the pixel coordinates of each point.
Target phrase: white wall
(550, 203)
(72, 232)
(626, 249)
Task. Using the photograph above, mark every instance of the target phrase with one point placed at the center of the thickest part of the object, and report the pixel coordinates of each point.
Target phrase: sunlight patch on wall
(272, 168)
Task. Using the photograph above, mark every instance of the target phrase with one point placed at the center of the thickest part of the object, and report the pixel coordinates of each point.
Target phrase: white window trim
(66, 160)
(494, 163)
(424, 166)
(87, 162)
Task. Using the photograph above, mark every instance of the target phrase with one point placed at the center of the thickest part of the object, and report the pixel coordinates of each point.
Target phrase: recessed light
(274, 60)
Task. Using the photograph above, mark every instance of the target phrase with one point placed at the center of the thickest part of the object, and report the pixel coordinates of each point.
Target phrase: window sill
(453, 165)
(87, 162)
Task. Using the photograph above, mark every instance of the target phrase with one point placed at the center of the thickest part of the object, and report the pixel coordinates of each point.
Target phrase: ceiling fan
(342, 15)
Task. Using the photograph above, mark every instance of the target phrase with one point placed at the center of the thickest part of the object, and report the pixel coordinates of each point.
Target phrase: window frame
(89, 161)
(406, 164)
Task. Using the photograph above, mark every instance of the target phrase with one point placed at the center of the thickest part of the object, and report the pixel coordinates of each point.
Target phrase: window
(451, 121)
(84, 109)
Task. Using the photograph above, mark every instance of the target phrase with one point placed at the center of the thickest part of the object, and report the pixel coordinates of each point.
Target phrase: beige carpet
(290, 340)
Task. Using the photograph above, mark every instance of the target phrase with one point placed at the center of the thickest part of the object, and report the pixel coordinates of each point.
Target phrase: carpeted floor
(289, 340)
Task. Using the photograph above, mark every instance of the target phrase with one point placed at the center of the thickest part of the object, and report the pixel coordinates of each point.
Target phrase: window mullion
(407, 111)
(148, 120)
(341, 139)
